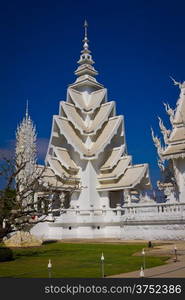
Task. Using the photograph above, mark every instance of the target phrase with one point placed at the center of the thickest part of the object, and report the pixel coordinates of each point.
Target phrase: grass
(76, 260)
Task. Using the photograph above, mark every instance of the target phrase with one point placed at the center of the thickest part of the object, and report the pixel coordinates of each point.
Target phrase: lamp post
(175, 251)
(49, 268)
(141, 274)
(144, 261)
(102, 265)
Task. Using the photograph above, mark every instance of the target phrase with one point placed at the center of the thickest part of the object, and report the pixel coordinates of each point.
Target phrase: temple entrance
(115, 198)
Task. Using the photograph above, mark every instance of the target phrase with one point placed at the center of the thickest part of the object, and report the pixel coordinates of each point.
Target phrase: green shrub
(6, 254)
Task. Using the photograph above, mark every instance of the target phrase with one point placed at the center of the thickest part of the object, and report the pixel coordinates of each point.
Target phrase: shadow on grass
(6, 254)
(49, 242)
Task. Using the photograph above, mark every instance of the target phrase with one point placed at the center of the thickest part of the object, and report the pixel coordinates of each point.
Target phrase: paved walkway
(173, 269)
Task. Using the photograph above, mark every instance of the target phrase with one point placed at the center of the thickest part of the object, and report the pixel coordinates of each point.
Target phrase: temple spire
(85, 57)
(26, 145)
(85, 60)
(86, 72)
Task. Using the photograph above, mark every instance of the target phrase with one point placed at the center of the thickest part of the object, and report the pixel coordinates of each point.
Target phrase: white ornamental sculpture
(26, 151)
(174, 149)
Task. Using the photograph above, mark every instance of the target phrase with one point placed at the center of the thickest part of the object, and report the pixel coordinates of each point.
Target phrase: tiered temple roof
(63, 156)
(133, 176)
(66, 128)
(114, 156)
(57, 181)
(87, 127)
(117, 171)
(85, 101)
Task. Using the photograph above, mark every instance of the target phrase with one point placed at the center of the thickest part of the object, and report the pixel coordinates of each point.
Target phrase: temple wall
(104, 199)
(124, 232)
(146, 222)
(179, 166)
(153, 232)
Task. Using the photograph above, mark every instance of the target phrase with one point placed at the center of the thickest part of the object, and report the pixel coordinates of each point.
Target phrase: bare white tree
(20, 205)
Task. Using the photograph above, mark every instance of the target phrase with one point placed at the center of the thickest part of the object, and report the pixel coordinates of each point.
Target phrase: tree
(20, 206)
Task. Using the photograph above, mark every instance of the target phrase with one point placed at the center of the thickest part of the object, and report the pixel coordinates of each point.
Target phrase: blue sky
(136, 45)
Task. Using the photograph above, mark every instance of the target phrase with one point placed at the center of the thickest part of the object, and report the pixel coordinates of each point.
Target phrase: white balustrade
(132, 212)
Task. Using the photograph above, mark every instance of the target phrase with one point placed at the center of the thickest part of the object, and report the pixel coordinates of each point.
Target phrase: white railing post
(118, 207)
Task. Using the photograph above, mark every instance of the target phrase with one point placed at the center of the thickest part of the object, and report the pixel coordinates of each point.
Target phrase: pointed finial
(27, 109)
(85, 40)
(85, 26)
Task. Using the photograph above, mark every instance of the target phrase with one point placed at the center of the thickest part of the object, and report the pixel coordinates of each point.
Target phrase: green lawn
(76, 260)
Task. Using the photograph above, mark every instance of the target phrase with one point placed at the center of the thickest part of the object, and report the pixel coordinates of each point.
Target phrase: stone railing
(136, 212)
(158, 208)
(158, 211)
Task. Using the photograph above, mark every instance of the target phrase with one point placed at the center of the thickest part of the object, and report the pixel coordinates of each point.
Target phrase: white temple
(88, 165)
